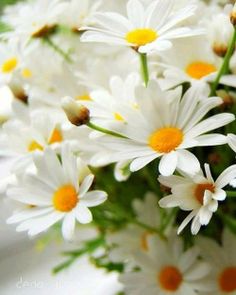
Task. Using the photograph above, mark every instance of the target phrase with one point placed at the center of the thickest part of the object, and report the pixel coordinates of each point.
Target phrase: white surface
(24, 271)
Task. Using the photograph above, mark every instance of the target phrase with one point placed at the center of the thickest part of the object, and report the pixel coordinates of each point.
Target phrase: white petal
(226, 176)
(139, 163)
(83, 214)
(87, 182)
(232, 141)
(187, 162)
(186, 221)
(219, 195)
(168, 163)
(93, 198)
(68, 226)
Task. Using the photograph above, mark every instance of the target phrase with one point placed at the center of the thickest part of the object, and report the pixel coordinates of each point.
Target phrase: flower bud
(233, 16)
(76, 113)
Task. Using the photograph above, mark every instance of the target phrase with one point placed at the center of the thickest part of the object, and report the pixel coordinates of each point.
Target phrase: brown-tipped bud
(220, 49)
(214, 159)
(164, 189)
(44, 31)
(233, 16)
(76, 113)
(228, 100)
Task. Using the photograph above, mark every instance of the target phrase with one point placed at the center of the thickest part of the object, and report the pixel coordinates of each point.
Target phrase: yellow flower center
(34, 145)
(227, 280)
(65, 198)
(199, 69)
(26, 73)
(170, 278)
(83, 97)
(56, 136)
(166, 139)
(140, 37)
(118, 117)
(9, 65)
(200, 190)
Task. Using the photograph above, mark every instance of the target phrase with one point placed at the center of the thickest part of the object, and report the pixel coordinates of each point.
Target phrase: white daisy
(103, 103)
(57, 191)
(79, 13)
(165, 127)
(167, 269)
(147, 29)
(223, 260)
(20, 137)
(197, 62)
(197, 193)
(127, 241)
(33, 18)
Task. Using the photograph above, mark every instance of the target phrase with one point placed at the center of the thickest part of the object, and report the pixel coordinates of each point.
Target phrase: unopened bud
(76, 113)
(233, 16)
(220, 49)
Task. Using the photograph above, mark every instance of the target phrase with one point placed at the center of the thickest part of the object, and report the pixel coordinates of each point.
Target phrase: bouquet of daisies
(119, 116)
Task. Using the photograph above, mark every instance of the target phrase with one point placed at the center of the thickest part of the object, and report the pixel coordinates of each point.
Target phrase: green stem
(105, 131)
(144, 67)
(57, 49)
(169, 218)
(225, 65)
(231, 194)
(150, 179)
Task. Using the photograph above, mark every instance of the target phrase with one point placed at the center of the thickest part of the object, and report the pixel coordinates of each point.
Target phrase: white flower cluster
(144, 90)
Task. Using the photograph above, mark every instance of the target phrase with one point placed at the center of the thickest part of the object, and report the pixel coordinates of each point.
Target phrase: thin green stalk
(105, 131)
(169, 218)
(144, 67)
(57, 49)
(153, 184)
(225, 65)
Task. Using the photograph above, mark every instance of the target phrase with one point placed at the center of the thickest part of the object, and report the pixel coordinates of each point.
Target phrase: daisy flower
(127, 241)
(223, 261)
(33, 18)
(197, 193)
(165, 127)
(57, 191)
(103, 104)
(197, 63)
(147, 29)
(167, 269)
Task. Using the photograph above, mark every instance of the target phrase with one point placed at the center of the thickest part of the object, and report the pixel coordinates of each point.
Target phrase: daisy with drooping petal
(165, 126)
(57, 191)
(147, 29)
(167, 269)
(197, 193)
(223, 261)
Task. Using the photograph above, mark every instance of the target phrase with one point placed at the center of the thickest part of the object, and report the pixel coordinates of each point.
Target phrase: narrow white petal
(139, 163)
(87, 182)
(226, 176)
(68, 226)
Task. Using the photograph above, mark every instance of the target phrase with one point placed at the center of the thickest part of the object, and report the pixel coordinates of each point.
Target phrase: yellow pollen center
(34, 145)
(56, 136)
(83, 97)
(9, 65)
(118, 117)
(199, 69)
(200, 190)
(140, 37)
(227, 280)
(170, 278)
(26, 73)
(65, 198)
(166, 139)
